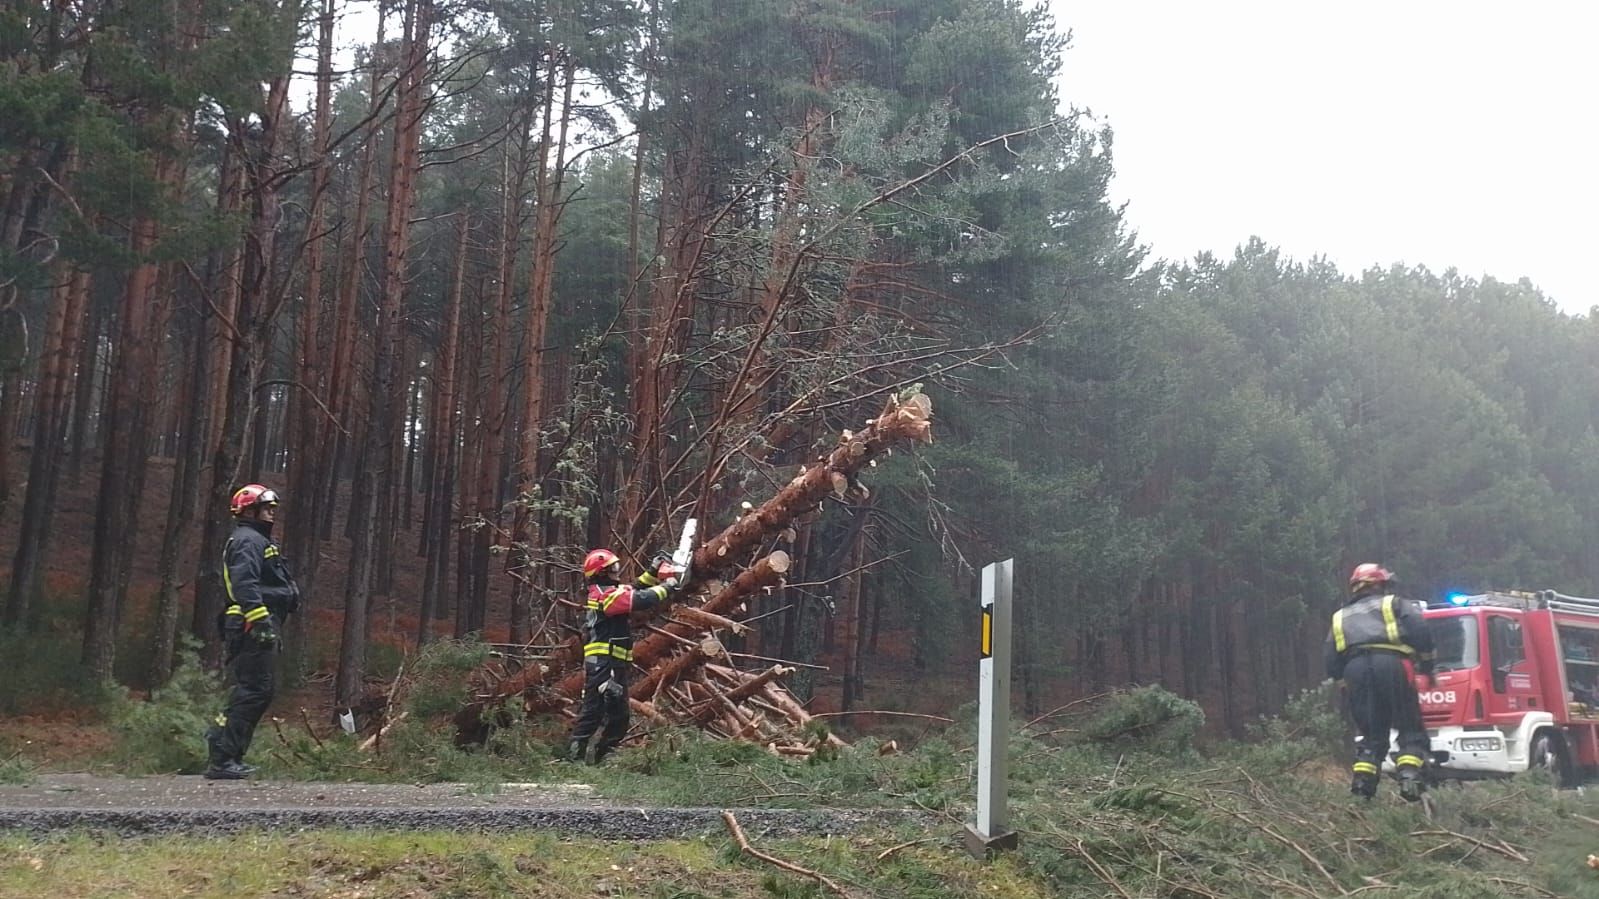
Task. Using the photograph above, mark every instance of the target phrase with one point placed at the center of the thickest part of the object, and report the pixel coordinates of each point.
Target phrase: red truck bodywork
(1517, 684)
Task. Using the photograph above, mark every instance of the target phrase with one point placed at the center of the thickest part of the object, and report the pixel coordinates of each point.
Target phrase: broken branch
(745, 847)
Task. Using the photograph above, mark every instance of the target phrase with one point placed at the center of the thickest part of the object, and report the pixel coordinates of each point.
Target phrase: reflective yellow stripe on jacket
(603, 648)
(604, 603)
(1389, 619)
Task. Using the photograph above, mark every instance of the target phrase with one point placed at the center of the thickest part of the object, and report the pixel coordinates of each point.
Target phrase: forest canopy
(482, 285)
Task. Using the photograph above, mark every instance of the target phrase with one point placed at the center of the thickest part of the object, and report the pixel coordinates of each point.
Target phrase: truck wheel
(1549, 754)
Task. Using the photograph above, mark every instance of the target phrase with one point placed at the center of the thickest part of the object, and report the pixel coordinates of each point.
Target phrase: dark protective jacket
(257, 578)
(609, 633)
(1378, 622)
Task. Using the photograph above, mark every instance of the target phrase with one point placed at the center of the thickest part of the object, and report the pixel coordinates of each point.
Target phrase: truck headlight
(1479, 744)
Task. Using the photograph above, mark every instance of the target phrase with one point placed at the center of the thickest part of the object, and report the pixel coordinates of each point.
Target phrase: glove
(265, 632)
(663, 570)
(612, 688)
(670, 573)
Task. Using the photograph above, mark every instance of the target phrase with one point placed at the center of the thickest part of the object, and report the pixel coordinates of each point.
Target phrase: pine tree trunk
(442, 440)
(491, 459)
(413, 437)
(374, 473)
(228, 286)
(633, 300)
(218, 463)
(306, 452)
(852, 620)
(547, 187)
(180, 508)
(84, 398)
(256, 468)
(342, 383)
(679, 242)
(124, 448)
(62, 339)
(10, 428)
(472, 417)
(1226, 664)
(393, 484)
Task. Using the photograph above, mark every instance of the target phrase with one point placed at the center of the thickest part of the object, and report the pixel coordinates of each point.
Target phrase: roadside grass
(454, 864)
(1112, 798)
(14, 767)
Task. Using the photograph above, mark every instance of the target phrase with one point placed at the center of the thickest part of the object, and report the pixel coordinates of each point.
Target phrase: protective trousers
(254, 670)
(1383, 697)
(603, 705)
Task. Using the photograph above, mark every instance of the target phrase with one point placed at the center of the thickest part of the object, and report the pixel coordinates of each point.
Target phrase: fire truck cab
(1516, 685)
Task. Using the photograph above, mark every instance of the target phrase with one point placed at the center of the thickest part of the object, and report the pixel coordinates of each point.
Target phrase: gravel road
(135, 805)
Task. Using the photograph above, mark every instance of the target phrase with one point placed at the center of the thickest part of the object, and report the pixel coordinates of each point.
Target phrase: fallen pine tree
(683, 674)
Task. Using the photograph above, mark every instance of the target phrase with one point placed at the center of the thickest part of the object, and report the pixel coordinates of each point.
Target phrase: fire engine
(1515, 686)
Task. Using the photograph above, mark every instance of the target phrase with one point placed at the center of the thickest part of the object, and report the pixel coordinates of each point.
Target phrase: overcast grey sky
(1443, 134)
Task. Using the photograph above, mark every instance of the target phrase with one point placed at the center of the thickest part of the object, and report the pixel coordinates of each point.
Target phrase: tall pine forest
(480, 284)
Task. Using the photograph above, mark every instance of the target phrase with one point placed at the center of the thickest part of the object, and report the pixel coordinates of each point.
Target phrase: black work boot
(229, 770)
(1410, 784)
(213, 745)
(1364, 784)
(577, 750)
(601, 751)
(217, 760)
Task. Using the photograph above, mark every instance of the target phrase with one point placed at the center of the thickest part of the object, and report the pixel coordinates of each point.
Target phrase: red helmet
(1369, 573)
(252, 495)
(597, 561)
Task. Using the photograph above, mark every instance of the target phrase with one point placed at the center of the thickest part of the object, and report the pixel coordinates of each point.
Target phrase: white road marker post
(992, 832)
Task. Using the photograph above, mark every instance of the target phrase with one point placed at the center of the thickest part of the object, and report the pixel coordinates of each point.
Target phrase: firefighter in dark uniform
(261, 596)
(608, 647)
(1375, 638)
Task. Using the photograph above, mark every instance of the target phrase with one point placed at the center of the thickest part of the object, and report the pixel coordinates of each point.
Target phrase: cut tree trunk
(548, 687)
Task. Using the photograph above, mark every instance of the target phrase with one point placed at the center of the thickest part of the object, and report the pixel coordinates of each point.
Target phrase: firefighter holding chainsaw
(261, 596)
(1375, 640)
(608, 645)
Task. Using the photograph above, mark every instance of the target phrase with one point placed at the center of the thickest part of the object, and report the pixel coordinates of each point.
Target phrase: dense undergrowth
(1112, 797)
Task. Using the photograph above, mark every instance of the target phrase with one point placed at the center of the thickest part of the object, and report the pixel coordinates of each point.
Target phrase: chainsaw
(681, 558)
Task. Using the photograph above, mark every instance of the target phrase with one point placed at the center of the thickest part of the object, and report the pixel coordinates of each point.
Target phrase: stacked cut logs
(683, 675)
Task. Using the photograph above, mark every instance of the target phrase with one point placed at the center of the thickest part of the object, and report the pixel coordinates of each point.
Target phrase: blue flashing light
(1459, 599)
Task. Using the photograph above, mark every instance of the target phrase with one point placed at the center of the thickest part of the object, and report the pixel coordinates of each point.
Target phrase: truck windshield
(1455, 640)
